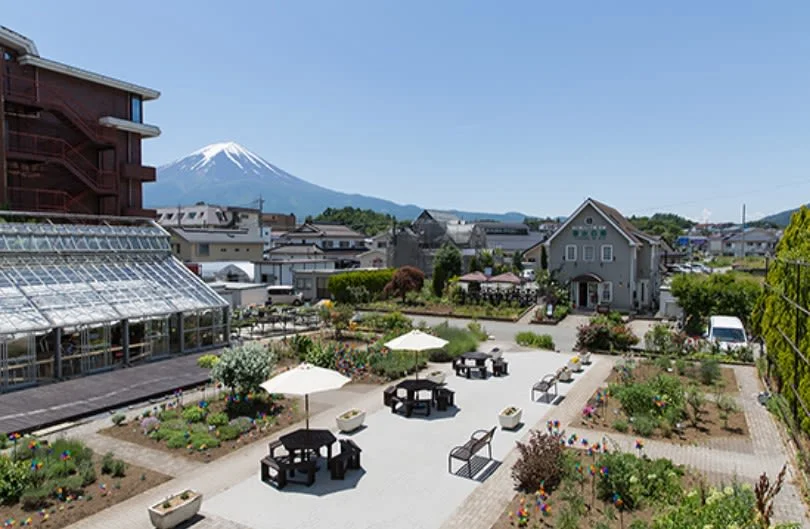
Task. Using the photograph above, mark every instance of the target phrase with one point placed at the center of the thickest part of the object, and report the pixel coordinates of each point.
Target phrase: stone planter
(175, 509)
(585, 358)
(437, 377)
(509, 418)
(575, 366)
(566, 375)
(350, 420)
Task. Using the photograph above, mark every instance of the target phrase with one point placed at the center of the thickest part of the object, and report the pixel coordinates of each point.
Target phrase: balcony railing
(31, 91)
(49, 147)
(24, 198)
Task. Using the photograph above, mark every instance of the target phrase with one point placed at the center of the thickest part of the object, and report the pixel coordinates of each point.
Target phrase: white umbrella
(303, 380)
(416, 341)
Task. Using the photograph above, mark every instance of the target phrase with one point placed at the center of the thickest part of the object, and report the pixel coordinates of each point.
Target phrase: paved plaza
(405, 481)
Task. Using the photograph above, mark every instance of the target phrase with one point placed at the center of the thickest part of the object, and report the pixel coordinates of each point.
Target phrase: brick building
(70, 139)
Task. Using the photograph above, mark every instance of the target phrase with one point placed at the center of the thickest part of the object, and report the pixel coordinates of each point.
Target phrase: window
(588, 253)
(327, 244)
(236, 249)
(607, 252)
(135, 108)
(382, 244)
(571, 252)
(344, 244)
(203, 249)
(588, 220)
(223, 250)
(192, 215)
(606, 292)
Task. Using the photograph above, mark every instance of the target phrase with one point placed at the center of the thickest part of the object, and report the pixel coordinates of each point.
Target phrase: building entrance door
(582, 294)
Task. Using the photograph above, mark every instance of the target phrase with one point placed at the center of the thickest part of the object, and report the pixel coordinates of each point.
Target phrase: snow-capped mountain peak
(217, 156)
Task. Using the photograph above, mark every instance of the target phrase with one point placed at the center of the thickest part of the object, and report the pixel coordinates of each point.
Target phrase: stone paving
(404, 461)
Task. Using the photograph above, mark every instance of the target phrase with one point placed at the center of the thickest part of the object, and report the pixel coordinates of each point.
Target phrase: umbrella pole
(306, 407)
(416, 363)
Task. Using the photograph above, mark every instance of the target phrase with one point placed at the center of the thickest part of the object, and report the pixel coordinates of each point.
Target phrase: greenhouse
(82, 294)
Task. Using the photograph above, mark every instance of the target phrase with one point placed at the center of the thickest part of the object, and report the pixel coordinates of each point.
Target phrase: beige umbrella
(416, 341)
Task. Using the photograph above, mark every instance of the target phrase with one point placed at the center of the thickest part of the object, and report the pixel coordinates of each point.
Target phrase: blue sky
(692, 107)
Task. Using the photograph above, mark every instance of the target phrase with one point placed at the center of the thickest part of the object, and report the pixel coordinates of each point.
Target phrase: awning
(588, 278)
(473, 277)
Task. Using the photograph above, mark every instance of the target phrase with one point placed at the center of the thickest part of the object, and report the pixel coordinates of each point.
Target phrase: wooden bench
(444, 398)
(500, 367)
(545, 385)
(281, 471)
(467, 451)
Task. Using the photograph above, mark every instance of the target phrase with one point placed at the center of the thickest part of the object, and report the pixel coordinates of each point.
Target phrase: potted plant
(436, 376)
(509, 418)
(565, 375)
(351, 420)
(575, 364)
(175, 509)
(586, 358)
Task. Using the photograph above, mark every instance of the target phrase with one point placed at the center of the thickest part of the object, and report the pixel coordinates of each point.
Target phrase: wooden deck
(42, 406)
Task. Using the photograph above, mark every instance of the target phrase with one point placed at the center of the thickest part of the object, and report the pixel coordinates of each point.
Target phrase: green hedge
(372, 281)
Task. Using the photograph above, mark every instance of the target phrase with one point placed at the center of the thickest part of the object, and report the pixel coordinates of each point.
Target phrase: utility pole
(179, 214)
(742, 251)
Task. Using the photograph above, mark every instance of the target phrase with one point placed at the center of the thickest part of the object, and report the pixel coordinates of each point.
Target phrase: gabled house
(605, 259)
(752, 241)
(510, 237)
(336, 241)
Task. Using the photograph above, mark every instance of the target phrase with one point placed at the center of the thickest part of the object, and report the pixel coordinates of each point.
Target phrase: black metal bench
(348, 458)
(389, 394)
(444, 398)
(500, 367)
(467, 451)
(282, 471)
(545, 385)
(464, 369)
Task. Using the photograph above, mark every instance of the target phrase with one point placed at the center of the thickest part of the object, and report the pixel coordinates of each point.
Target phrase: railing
(33, 92)
(37, 199)
(49, 147)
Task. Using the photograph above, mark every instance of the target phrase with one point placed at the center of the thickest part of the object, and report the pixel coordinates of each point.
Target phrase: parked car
(283, 295)
(529, 274)
(727, 331)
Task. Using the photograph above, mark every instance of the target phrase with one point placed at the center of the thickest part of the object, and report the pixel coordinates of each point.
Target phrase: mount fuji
(229, 174)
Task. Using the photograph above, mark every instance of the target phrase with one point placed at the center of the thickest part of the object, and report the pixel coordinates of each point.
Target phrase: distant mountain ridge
(781, 219)
(231, 175)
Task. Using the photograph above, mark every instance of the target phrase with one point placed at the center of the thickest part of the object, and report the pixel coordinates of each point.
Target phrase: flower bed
(207, 430)
(646, 400)
(64, 482)
(483, 312)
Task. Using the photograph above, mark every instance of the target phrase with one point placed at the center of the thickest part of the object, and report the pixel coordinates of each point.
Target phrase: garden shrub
(228, 432)
(35, 497)
(14, 478)
(460, 341)
(322, 355)
(726, 405)
(620, 425)
(605, 333)
(87, 472)
(300, 345)
(695, 399)
(168, 415)
(174, 424)
(207, 361)
(478, 331)
(197, 427)
(177, 440)
(680, 366)
(217, 419)
(118, 418)
(729, 506)
(644, 425)
(539, 341)
(112, 466)
(70, 485)
(635, 479)
(3, 441)
(78, 450)
(395, 364)
(194, 414)
(149, 425)
(710, 371)
(662, 339)
(373, 281)
(244, 368)
(244, 424)
(203, 441)
(540, 462)
(60, 469)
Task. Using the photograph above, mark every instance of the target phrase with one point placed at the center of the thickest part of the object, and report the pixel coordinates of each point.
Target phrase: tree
(406, 279)
(543, 258)
(365, 221)
(668, 225)
(773, 316)
(338, 317)
(243, 368)
(446, 264)
(475, 266)
(701, 296)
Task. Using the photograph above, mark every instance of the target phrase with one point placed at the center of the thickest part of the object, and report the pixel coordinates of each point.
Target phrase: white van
(283, 295)
(728, 331)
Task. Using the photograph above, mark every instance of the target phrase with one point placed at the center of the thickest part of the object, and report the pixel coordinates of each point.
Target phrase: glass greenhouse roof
(65, 276)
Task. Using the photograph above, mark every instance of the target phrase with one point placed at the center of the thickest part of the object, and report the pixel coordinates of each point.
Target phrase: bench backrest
(483, 441)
